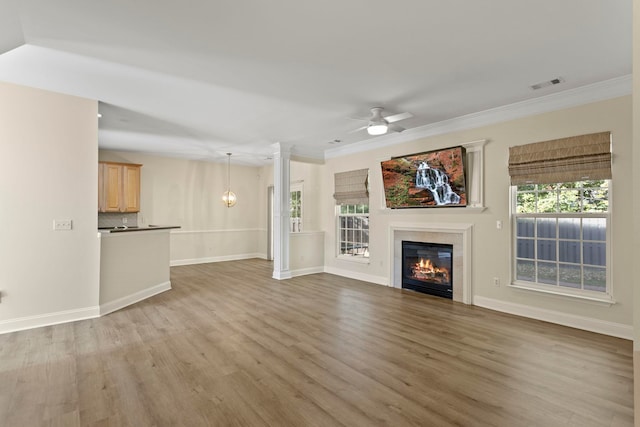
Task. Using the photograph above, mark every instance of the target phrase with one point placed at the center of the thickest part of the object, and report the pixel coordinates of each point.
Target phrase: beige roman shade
(562, 160)
(351, 187)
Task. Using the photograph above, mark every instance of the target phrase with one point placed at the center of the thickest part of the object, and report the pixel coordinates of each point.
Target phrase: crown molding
(307, 154)
(595, 92)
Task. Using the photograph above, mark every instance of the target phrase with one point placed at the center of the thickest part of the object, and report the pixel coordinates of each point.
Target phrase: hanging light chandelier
(229, 198)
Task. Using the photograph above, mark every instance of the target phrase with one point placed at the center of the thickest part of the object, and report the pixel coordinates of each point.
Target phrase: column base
(281, 275)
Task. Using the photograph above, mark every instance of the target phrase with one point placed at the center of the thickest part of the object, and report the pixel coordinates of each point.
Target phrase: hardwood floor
(229, 346)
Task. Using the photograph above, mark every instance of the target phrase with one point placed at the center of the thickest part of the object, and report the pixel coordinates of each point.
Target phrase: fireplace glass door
(428, 268)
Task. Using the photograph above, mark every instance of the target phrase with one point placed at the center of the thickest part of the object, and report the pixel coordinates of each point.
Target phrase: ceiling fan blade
(398, 117)
(359, 129)
(395, 128)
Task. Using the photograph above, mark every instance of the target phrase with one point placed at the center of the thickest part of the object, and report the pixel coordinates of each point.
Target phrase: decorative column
(281, 173)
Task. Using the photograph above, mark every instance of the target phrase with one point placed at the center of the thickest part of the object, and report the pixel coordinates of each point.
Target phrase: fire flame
(425, 270)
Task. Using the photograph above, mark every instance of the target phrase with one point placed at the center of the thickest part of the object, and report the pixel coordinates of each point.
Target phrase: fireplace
(458, 235)
(428, 268)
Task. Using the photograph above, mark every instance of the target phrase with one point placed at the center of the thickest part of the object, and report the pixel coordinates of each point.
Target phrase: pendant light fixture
(229, 198)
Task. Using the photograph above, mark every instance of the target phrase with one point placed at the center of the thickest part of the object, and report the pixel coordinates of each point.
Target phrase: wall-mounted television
(424, 180)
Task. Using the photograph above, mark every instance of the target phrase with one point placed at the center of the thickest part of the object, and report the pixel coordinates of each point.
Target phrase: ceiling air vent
(551, 82)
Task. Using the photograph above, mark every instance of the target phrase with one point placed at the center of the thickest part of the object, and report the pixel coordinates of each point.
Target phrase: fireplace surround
(456, 234)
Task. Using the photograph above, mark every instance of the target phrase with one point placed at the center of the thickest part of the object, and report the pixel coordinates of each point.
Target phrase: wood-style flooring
(229, 346)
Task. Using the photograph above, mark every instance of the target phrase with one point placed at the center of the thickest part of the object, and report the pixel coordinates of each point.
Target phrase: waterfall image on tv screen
(430, 179)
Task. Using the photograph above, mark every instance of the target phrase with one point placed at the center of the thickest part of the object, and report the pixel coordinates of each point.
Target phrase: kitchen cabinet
(118, 187)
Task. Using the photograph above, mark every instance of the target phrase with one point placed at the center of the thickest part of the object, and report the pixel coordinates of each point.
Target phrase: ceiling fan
(379, 124)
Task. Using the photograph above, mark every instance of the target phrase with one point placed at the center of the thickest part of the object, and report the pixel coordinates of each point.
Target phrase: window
(295, 208)
(561, 231)
(352, 213)
(561, 236)
(353, 230)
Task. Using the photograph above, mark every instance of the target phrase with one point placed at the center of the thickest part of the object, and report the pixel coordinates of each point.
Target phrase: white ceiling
(238, 76)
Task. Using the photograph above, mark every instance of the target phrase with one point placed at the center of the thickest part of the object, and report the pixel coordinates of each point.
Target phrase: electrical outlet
(124, 220)
(496, 281)
(499, 225)
(62, 224)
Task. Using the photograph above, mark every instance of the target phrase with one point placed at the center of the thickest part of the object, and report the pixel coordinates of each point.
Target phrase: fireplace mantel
(458, 234)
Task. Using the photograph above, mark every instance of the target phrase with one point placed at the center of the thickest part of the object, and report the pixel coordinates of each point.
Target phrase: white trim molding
(571, 320)
(307, 271)
(475, 173)
(608, 89)
(378, 280)
(282, 274)
(206, 260)
(134, 298)
(227, 230)
(48, 319)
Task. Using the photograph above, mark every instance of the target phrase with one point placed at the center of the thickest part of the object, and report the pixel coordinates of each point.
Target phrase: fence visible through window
(561, 234)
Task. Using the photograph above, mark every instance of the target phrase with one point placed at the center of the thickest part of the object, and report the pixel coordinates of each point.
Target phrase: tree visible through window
(561, 235)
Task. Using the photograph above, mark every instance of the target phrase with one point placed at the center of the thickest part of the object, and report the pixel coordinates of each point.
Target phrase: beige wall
(188, 193)
(306, 252)
(491, 247)
(48, 170)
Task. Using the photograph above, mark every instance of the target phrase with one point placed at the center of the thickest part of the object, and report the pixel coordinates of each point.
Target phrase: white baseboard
(48, 319)
(378, 280)
(282, 275)
(579, 322)
(177, 262)
(305, 271)
(134, 298)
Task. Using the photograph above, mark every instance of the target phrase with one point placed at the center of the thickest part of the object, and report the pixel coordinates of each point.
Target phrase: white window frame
(364, 257)
(606, 296)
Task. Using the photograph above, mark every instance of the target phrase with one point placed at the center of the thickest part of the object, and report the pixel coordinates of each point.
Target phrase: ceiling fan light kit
(377, 128)
(380, 125)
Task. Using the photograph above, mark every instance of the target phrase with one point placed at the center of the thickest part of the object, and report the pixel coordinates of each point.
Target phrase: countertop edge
(139, 229)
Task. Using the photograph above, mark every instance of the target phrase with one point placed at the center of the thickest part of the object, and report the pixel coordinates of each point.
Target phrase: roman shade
(575, 158)
(351, 187)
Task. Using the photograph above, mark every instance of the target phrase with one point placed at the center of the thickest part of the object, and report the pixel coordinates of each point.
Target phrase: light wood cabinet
(131, 185)
(118, 187)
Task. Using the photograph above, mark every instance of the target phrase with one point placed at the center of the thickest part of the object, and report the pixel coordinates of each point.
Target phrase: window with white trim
(353, 230)
(561, 215)
(561, 236)
(352, 214)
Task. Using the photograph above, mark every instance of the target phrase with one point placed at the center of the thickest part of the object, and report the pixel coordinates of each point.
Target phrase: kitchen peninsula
(134, 265)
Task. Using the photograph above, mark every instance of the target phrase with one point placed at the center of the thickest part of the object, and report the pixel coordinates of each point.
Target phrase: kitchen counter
(133, 265)
(125, 229)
